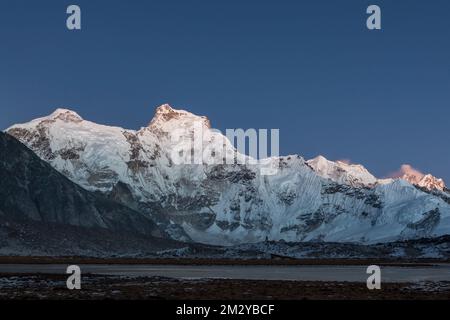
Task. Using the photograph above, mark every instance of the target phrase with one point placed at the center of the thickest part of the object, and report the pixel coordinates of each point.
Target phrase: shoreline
(281, 261)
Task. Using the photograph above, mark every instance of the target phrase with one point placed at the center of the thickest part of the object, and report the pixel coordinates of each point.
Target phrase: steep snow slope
(230, 203)
(352, 174)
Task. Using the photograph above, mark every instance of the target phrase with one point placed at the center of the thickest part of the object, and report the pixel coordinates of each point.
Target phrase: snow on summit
(414, 176)
(314, 200)
(166, 118)
(339, 171)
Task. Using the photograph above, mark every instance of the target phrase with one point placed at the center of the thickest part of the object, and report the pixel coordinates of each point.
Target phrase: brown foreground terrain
(100, 287)
(94, 287)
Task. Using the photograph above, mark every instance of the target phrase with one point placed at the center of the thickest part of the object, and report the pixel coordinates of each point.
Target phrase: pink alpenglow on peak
(343, 171)
(167, 118)
(415, 177)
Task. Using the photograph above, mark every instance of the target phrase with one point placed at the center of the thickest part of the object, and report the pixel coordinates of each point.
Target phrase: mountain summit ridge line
(226, 204)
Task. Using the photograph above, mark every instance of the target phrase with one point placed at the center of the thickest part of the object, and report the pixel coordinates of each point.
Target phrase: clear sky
(310, 68)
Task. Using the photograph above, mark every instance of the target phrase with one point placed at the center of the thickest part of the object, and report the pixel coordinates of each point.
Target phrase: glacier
(228, 204)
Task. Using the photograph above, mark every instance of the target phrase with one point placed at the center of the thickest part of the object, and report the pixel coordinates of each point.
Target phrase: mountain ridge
(225, 204)
(32, 189)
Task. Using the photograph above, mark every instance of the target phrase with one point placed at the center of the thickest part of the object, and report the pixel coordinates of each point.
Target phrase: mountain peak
(167, 118)
(342, 172)
(164, 108)
(66, 115)
(427, 181)
(415, 177)
(319, 159)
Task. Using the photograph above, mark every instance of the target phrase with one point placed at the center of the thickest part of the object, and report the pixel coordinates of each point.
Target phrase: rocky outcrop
(32, 190)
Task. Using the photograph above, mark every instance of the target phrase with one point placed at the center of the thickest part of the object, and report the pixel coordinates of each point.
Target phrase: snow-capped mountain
(351, 174)
(358, 176)
(219, 203)
(431, 183)
(417, 178)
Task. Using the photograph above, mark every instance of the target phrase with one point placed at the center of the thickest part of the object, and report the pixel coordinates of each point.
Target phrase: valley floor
(185, 279)
(97, 287)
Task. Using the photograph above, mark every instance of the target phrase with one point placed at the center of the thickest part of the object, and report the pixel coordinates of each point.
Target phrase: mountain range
(98, 167)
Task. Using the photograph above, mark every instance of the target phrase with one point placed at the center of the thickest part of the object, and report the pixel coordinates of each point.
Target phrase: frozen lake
(439, 272)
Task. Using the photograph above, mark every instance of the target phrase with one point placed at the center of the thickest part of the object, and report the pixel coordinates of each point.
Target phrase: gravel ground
(94, 287)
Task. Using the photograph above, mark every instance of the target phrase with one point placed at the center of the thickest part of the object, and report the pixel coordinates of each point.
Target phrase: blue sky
(309, 68)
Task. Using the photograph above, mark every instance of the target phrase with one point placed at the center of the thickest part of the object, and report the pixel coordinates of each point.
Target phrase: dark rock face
(121, 193)
(37, 140)
(31, 189)
(35, 238)
(428, 222)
